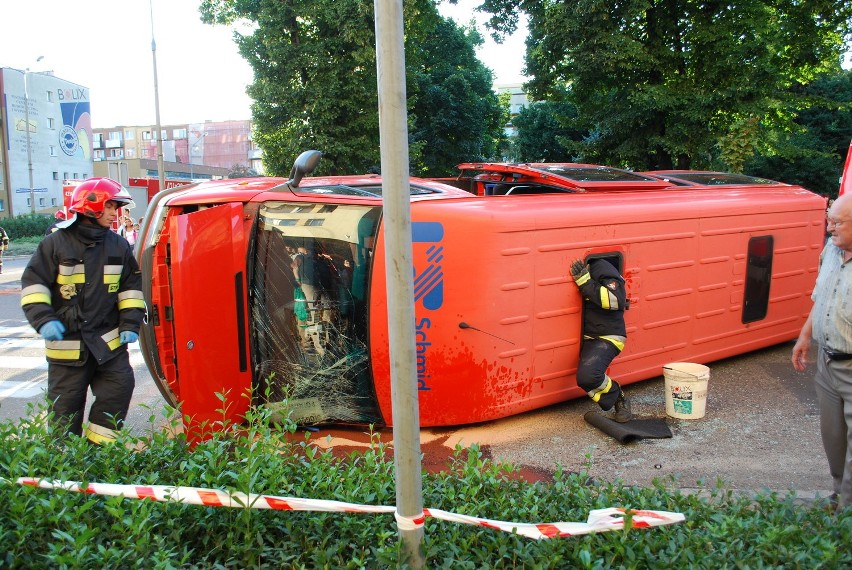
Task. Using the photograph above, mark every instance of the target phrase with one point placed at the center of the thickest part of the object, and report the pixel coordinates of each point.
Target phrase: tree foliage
(315, 83)
(675, 83)
(813, 156)
(545, 132)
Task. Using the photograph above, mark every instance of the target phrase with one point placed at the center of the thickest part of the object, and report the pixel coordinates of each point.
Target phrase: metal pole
(29, 146)
(160, 170)
(393, 132)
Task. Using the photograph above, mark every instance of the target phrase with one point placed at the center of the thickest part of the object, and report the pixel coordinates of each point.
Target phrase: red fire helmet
(92, 194)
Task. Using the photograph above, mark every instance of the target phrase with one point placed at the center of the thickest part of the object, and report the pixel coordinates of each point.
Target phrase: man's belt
(834, 355)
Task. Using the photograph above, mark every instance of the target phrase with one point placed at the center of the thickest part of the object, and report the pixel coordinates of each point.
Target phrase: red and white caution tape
(600, 520)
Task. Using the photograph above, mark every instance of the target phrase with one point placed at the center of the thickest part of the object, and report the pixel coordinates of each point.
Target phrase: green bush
(58, 529)
(28, 225)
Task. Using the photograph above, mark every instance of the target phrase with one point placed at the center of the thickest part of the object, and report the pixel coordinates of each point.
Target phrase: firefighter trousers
(112, 386)
(595, 357)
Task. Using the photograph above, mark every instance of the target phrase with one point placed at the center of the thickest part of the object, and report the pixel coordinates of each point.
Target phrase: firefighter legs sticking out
(82, 291)
(604, 333)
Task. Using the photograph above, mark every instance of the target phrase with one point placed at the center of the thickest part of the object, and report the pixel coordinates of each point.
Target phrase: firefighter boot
(622, 410)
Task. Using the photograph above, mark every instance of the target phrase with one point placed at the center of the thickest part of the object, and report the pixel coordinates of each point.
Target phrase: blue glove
(126, 337)
(52, 330)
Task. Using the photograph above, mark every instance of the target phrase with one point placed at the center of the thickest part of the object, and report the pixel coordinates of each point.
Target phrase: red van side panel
(501, 267)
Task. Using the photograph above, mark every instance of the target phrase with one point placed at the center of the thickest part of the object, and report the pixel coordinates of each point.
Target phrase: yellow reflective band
(604, 298)
(75, 279)
(617, 341)
(59, 354)
(99, 434)
(583, 278)
(71, 275)
(35, 298)
(596, 394)
(131, 304)
(131, 299)
(35, 294)
(112, 339)
(109, 279)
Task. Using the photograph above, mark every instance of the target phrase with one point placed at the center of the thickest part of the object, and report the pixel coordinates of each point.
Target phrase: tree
(542, 136)
(457, 116)
(315, 84)
(668, 83)
(242, 171)
(813, 156)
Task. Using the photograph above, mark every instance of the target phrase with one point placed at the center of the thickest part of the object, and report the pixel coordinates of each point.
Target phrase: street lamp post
(29, 145)
(189, 149)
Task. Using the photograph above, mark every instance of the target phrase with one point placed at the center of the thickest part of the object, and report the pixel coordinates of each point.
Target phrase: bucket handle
(682, 371)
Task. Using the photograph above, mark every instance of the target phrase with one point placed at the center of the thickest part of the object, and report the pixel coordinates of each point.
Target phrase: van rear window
(758, 278)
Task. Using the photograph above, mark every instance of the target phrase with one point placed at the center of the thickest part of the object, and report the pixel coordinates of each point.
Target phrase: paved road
(761, 428)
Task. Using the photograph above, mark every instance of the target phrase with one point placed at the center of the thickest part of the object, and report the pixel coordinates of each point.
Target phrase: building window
(179, 134)
(52, 150)
(98, 140)
(51, 123)
(53, 201)
(146, 153)
(163, 134)
(65, 176)
(2, 206)
(50, 96)
(116, 153)
(29, 203)
(99, 155)
(55, 175)
(114, 135)
(146, 135)
(129, 134)
(41, 202)
(130, 153)
(75, 176)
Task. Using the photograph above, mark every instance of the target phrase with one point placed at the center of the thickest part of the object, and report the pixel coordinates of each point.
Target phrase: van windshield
(310, 292)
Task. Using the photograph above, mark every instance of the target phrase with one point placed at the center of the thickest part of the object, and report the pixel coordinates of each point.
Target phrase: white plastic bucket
(686, 389)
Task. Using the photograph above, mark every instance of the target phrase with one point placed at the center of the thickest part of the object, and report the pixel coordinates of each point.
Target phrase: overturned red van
(268, 290)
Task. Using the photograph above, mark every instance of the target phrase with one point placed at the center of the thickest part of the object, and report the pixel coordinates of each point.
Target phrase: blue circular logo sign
(68, 140)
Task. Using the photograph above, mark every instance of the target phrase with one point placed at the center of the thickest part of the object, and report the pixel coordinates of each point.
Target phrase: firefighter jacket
(604, 302)
(86, 277)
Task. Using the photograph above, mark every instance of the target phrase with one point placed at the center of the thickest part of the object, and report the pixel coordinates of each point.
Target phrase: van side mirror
(304, 164)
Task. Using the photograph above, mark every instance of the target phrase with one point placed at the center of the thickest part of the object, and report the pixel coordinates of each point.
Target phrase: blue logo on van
(429, 281)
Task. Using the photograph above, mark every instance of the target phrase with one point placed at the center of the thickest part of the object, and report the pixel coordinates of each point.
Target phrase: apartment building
(45, 136)
(189, 150)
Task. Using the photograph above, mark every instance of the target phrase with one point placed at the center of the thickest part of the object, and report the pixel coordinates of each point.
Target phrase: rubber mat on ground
(636, 429)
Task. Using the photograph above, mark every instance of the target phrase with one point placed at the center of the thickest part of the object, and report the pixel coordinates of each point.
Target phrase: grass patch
(23, 246)
(51, 529)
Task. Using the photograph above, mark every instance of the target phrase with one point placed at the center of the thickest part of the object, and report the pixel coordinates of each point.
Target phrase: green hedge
(58, 529)
(29, 225)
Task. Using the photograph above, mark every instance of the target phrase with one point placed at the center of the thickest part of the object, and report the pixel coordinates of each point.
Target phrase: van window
(758, 278)
(310, 295)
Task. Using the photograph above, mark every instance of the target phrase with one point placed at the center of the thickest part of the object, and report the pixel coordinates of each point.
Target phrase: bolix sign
(25, 190)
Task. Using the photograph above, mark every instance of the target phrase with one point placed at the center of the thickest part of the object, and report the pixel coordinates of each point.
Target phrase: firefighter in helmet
(82, 291)
(604, 333)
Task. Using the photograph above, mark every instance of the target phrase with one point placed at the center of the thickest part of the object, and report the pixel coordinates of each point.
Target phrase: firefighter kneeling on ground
(82, 291)
(604, 333)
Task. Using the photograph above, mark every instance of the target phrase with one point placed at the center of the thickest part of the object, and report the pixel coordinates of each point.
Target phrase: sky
(105, 45)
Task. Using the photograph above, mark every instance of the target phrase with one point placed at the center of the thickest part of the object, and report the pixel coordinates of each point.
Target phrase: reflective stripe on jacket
(94, 287)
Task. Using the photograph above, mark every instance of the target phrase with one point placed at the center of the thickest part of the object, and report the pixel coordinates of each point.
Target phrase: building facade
(215, 144)
(46, 135)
